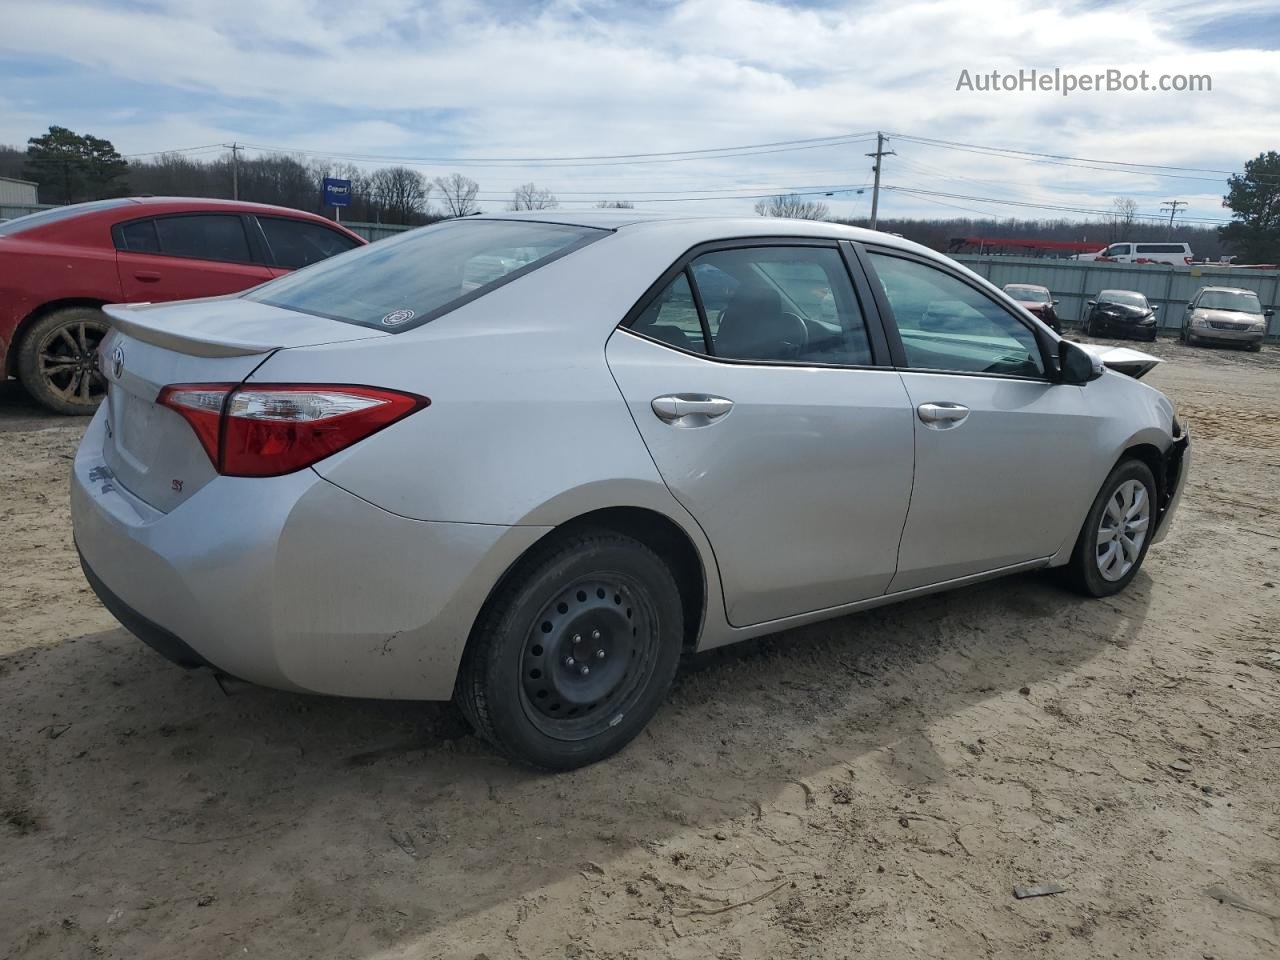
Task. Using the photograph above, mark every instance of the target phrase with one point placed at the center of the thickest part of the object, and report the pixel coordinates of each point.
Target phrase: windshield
(1241, 301)
(1027, 294)
(43, 218)
(1126, 298)
(401, 283)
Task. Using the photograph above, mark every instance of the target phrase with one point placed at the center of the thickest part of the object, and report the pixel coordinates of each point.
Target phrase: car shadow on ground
(280, 808)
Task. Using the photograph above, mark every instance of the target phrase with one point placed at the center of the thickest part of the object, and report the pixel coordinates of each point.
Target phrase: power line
(1041, 206)
(603, 160)
(1063, 159)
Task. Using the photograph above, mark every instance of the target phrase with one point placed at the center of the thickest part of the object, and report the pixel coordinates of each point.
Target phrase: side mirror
(1054, 303)
(1076, 365)
(1155, 306)
(1268, 313)
(1093, 303)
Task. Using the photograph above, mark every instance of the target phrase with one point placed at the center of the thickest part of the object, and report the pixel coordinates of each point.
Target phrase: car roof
(72, 219)
(1228, 290)
(710, 227)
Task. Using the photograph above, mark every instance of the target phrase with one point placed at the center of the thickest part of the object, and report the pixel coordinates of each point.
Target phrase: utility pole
(875, 191)
(235, 149)
(1172, 206)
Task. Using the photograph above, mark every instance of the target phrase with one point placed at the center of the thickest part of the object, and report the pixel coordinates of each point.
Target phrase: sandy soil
(871, 786)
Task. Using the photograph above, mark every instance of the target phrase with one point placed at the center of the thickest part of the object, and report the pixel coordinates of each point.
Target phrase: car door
(997, 444)
(757, 390)
(183, 256)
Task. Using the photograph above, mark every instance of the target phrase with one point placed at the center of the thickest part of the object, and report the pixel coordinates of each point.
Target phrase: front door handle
(942, 415)
(147, 276)
(690, 409)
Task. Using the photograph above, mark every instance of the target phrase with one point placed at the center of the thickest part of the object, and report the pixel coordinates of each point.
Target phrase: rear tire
(548, 701)
(57, 360)
(1117, 532)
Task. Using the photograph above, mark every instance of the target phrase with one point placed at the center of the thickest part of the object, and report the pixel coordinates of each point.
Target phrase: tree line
(70, 167)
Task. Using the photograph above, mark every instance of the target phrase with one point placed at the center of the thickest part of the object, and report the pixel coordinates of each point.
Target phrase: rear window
(403, 282)
(44, 218)
(1027, 294)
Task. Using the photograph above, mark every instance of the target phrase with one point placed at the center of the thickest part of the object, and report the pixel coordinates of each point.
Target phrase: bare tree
(401, 193)
(615, 205)
(529, 196)
(458, 194)
(794, 206)
(1126, 211)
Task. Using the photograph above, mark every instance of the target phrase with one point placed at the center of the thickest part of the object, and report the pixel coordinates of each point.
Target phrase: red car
(59, 266)
(1037, 300)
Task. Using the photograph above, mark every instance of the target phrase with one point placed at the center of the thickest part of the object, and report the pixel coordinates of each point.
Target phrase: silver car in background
(1226, 315)
(526, 461)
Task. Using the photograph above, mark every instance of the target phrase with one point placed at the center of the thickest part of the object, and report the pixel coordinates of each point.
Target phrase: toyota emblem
(117, 362)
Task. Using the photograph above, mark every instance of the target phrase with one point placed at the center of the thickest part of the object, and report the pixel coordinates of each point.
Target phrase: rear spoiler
(129, 321)
(1133, 363)
(231, 326)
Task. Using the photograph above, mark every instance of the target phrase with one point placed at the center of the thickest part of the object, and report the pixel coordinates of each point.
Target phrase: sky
(494, 89)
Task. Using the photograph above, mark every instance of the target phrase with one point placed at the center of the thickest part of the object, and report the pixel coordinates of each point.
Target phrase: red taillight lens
(271, 429)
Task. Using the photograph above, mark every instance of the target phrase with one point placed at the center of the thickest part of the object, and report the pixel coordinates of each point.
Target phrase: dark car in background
(1036, 300)
(59, 267)
(1229, 315)
(1121, 313)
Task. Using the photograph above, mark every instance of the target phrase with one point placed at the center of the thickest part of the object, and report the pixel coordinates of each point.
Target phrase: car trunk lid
(151, 450)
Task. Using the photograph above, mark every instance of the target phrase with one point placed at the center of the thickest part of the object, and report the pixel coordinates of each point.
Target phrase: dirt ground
(871, 786)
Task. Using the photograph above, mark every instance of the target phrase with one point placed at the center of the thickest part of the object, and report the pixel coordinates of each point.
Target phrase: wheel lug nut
(585, 670)
(599, 654)
(577, 638)
(569, 661)
(595, 634)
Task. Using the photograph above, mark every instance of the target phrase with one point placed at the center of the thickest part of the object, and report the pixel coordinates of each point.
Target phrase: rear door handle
(147, 276)
(690, 409)
(942, 415)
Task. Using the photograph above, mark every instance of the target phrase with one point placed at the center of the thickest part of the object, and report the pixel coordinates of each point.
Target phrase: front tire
(57, 360)
(574, 653)
(1117, 532)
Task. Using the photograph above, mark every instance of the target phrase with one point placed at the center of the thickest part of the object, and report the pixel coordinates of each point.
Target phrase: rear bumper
(290, 581)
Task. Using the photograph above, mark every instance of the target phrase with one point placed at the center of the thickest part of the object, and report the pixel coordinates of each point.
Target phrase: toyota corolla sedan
(526, 461)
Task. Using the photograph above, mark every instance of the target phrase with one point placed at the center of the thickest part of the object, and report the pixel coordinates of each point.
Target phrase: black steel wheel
(58, 360)
(575, 651)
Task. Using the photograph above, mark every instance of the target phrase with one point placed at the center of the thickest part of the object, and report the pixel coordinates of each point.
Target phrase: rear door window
(300, 243)
(778, 303)
(138, 237)
(204, 236)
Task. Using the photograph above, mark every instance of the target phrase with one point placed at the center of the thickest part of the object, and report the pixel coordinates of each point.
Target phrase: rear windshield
(1241, 301)
(403, 282)
(45, 217)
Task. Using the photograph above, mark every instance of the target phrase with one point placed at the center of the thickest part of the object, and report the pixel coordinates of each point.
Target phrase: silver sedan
(526, 461)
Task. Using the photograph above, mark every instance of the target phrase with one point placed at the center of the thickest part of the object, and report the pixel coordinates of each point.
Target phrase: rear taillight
(270, 429)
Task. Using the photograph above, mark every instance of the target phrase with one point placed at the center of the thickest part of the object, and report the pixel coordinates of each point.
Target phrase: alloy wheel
(1123, 530)
(68, 361)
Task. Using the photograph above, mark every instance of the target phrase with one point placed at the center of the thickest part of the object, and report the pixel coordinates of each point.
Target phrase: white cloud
(467, 79)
